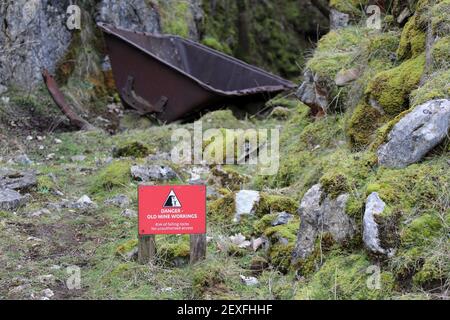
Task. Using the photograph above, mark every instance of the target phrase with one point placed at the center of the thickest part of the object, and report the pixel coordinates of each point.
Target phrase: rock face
(10, 199)
(338, 19)
(374, 207)
(321, 214)
(136, 15)
(33, 35)
(312, 93)
(246, 201)
(416, 134)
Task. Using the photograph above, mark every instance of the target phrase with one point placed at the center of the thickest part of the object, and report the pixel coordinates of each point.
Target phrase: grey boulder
(10, 199)
(321, 214)
(416, 134)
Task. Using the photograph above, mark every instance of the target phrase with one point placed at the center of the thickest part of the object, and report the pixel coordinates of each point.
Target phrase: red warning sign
(172, 209)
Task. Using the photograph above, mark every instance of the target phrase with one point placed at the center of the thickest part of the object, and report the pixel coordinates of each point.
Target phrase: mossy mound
(390, 89)
(134, 149)
(346, 277)
(222, 210)
(412, 41)
(275, 204)
(363, 124)
(173, 250)
(115, 175)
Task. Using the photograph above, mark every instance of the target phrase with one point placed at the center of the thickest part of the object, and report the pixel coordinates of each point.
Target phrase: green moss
(175, 17)
(115, 175)
(208, 276)
(216, 45)
(412, 41)
(345, 277)
(440, 18)
(126, 247)
(134, 149)
(282, 242)
(171, 248)
(437, 86)
(363, 124)
(335, 51)
(334, 184)
(353, 7)
(391, 88)
(222, 210)
(275, 204)
(441, 54)
(265, 222)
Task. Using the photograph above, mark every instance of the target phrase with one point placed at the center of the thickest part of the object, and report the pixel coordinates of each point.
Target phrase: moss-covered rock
(222, 210)
(275, 204)
(334, 183)
(363, 124)
(390, 89)
(412, 41)
(282, 242)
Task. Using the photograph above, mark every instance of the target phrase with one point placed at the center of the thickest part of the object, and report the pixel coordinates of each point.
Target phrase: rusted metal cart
(171, 77)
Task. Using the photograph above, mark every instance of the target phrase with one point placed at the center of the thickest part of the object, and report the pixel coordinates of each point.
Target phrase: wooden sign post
(172, 210)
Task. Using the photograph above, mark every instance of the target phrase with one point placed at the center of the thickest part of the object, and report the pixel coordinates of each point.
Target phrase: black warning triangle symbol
(172, 201)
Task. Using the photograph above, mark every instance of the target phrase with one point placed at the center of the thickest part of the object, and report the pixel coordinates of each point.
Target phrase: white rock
(58, 141)
(246, 200)
(249, 281)
(374, 207)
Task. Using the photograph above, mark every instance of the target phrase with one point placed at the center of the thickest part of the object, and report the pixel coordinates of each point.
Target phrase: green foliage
(216, 45)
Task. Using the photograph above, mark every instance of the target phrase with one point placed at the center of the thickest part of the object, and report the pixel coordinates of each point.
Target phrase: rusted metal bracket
(140, 104)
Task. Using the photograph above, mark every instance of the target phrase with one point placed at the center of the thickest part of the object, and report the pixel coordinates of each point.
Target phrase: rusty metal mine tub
(171, 77)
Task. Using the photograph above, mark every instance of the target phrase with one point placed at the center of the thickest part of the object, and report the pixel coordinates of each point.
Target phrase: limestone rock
(374, 207)
(246, 201)
(319, 214)
(416, 134)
